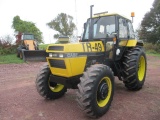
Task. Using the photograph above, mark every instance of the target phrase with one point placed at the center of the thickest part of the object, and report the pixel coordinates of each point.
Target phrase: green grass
(43, 46)
(153, 54)
(11, 58)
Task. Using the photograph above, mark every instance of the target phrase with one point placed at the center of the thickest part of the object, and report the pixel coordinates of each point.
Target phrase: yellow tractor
(28, 49)
(108, 48)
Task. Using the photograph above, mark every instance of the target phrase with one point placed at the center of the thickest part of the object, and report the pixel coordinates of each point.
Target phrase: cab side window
(122, 28)
(131, 31)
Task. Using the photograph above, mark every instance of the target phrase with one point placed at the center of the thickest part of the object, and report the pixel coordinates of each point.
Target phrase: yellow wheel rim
(103, 102)
(56, 88)
(141, 68)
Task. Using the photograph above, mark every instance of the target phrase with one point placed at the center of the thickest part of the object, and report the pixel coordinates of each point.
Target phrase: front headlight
(61, 55)
(52, 55)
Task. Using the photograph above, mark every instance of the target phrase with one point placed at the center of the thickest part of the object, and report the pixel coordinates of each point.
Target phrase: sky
(41, 12)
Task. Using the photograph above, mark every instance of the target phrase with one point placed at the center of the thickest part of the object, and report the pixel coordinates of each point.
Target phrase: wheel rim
(141, 68)
(55, 87)
(104, 91)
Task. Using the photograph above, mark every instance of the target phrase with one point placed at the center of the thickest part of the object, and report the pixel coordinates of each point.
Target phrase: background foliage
(149, 30)
(6, 46)
(63, 24)
(27, 27)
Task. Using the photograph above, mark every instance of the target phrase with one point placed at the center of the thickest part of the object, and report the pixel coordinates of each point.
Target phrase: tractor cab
(28, 41)
(107, 25)
(114, 30)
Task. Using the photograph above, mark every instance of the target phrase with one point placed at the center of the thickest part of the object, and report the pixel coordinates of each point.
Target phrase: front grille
(57, 64)
(56, 48)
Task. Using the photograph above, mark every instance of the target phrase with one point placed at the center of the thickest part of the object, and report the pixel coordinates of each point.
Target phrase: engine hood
(96, 46)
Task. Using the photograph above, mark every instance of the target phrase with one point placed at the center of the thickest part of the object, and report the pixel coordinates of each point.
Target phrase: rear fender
(133, 43)
(140, 43)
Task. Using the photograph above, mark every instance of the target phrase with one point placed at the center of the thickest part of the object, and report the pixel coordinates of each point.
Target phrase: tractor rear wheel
(135, 65)
(46, 88)
(95, 90)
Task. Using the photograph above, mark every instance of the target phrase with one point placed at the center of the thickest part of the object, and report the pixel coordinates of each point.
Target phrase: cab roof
(108, 14)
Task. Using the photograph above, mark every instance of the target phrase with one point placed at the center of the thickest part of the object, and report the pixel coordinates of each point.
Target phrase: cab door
(122, 37)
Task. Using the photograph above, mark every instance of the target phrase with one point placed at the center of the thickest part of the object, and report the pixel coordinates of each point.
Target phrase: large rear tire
(46, 88)
(95, 90)
(135, 65)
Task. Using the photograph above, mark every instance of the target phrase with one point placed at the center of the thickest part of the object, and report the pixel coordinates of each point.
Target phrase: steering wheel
(108, 34)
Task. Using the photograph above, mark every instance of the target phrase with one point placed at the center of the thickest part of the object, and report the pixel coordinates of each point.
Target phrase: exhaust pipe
(91, 24)
(91, 10)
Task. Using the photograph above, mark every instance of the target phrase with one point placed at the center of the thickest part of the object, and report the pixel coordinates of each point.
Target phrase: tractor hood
(96, 46)
(70, 59)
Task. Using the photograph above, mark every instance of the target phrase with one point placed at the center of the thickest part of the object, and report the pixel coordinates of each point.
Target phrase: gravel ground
(19, 99)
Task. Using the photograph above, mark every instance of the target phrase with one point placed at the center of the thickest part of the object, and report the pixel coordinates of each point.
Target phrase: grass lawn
(12, 58)
(153, 54)
(43, 46)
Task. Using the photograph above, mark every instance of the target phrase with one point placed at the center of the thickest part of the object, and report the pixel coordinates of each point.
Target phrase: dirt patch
(19, 99)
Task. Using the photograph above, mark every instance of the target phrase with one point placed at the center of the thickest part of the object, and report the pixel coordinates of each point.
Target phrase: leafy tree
(63, 24)
(27, 27)
(6, 46)
(6, 41)
(150, 25)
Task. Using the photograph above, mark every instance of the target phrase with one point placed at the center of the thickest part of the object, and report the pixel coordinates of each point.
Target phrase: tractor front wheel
(18, 53)
(46, 88)
(21, 55)
(95, 90)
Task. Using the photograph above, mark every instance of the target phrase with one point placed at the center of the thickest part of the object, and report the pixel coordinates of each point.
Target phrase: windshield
(102, 27)
(27, 37)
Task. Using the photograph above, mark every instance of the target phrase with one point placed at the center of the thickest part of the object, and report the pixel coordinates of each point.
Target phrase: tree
(150, 25)
(6, 41)
(63, 24)
(6, 46)
(27, 27)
